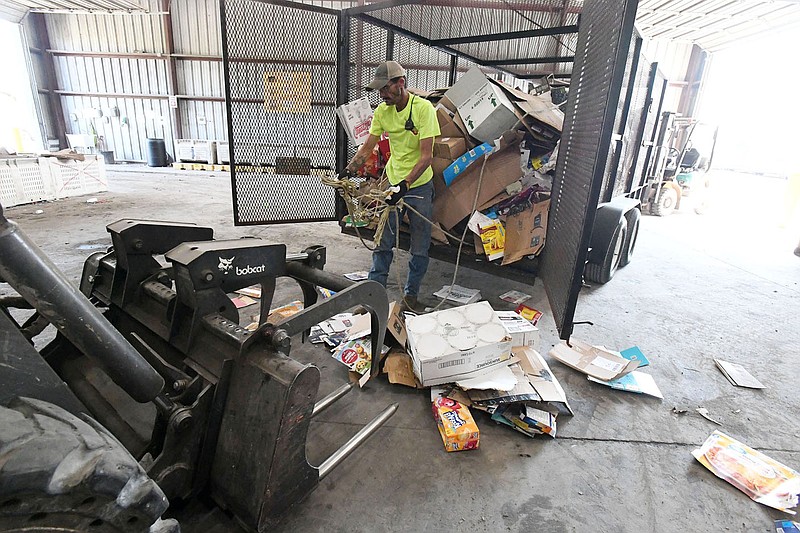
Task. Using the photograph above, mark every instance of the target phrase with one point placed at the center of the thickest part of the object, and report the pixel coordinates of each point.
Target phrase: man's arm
(425, 158)
(363, 154)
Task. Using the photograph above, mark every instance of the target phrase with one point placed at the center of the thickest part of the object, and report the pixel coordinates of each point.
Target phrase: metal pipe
(339, 455)
(335, 282)
(328, 400)
(26, 268)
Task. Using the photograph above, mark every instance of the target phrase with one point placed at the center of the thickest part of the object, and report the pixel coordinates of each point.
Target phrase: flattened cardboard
(591, 360)
(526, 232)
(542, 378)
(396, 326)
(400, 370)
(455, 202)
(538, 107)
(635, 381)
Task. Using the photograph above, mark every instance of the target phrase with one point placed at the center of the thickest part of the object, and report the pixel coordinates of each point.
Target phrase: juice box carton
(456, 425)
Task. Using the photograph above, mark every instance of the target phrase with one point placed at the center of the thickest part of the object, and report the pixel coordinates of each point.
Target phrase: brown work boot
(410, 303)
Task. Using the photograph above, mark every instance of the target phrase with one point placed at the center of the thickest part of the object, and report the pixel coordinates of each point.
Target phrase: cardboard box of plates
(457, 344)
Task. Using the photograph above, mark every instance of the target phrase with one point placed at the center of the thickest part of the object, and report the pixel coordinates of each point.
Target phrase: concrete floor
(720, 285)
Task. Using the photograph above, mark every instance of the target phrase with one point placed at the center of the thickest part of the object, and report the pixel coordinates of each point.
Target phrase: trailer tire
(633, 216)
(59, 472)
(666, 203)
(603, 272)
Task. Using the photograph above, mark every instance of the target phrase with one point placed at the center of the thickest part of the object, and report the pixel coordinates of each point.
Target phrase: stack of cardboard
(498, 144)
(496, 151)
(481, 359)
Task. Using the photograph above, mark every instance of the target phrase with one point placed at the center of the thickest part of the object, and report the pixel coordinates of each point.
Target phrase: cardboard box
(438, 165)
(522, 332)
(456, 425)
(461, 163)
(526, 232)
(537, 107)
(455, 202)
(449, 147)
(485, 109)
(593, 360)
(458, 343)
(356, 117)
(447, 123)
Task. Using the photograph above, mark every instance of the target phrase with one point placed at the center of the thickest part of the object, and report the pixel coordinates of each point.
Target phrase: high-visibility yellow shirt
(404, 144)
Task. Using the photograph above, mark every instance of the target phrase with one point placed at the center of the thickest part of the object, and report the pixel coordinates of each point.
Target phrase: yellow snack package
(456, 425)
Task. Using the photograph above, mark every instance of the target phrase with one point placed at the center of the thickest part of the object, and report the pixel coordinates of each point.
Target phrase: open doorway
(20, 128)
(750, 94)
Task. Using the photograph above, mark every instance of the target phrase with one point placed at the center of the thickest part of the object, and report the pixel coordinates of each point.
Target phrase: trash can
(108, 156)
(156, 153)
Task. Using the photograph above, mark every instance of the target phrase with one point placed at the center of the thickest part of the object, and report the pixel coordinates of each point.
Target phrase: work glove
(397, 192)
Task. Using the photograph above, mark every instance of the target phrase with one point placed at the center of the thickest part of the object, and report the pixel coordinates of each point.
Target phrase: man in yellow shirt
(411, 125)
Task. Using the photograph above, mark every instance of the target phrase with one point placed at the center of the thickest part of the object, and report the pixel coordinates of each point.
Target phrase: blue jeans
(421, 199)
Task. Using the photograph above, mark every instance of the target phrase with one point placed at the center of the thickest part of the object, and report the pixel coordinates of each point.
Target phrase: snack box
(456, 425)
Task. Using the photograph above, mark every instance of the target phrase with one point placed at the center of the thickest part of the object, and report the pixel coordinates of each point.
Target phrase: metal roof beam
(531, 61)
(541, 32)
(385, 4)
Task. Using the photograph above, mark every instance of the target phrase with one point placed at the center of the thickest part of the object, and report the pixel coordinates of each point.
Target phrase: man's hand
(347, 174)
(397, 192)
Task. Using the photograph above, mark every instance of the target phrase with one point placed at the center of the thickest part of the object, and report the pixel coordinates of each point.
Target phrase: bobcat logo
(225, 265)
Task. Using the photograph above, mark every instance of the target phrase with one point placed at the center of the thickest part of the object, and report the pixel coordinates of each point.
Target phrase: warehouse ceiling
(14, 10)
(711, 24)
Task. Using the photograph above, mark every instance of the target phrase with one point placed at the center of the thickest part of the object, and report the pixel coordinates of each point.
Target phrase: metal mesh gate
(605, 34)
(280, 76)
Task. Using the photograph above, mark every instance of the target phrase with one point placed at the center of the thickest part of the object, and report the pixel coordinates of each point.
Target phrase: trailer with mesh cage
(289, 65)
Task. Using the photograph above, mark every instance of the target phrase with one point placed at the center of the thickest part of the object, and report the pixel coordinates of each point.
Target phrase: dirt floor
(723, 284)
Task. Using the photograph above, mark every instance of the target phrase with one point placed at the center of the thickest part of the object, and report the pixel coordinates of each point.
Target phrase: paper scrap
(499, 379)
(529, 313)
(458, 294)
(635, 381)
(762, 478)
(515, 297)
(253, 291)
(738, 375)
(786, 526)
(705, 414)
(477, 220)
(611, 366)
(634, 353)
(361, 275)
(242, 301)
(356, 355)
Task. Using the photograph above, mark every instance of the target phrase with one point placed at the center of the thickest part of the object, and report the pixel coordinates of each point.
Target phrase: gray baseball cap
(384, 73)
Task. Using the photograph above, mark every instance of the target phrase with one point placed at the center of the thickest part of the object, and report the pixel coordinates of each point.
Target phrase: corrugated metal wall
(112, 75)
(673, 61)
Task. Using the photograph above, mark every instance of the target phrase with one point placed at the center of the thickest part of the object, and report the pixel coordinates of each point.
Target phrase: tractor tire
(666, 203)
(603, 272)
(62, 473)
(632, 217)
